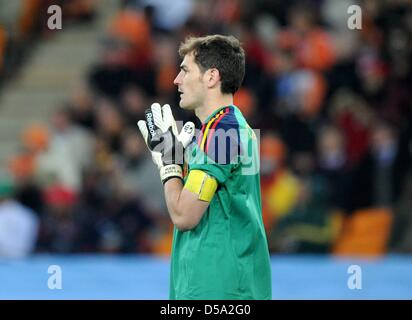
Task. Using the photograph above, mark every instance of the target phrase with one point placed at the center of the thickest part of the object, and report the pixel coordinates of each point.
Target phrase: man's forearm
(173, 190)
(185, 207)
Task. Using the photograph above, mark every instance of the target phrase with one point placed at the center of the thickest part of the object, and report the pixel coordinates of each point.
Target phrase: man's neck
(211, 105)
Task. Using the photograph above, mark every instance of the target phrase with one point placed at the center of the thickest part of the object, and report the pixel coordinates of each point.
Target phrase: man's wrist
(170, 171)
(175, 178)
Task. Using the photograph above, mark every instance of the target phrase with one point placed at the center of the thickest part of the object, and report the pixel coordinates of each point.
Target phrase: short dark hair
(224, 53)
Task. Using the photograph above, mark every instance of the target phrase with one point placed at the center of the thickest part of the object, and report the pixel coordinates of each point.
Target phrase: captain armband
(202, 184)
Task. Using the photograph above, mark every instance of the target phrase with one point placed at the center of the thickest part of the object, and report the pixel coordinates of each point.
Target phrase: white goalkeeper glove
(164, 142)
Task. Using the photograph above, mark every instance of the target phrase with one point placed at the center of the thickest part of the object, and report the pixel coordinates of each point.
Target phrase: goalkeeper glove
(162, 138)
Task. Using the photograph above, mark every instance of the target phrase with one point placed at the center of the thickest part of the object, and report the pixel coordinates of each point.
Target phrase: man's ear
(212, 77)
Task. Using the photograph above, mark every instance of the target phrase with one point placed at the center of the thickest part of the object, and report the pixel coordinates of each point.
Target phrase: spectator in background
(383, 63)
(22, 166)
(79, 10)
(113, 218)
(299, 97)
(379, 177)
(166, 68)
(167, 16)
(353, 116)
(258, 59)
(245, 99)
(60, 227)
(126, 216)
(103, 158)
(137, 171)
(68, 153)
(134, 102)
(311, 44)
(300, 91)
(333, 165)
(81, 108)
(311, 225)
(279, 186)
(18, 224)
(127, 57)
(109, 124)
(132, 28)
(345, 42)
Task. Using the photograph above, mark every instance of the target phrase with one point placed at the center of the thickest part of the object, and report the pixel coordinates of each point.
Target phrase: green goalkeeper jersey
(226, 255)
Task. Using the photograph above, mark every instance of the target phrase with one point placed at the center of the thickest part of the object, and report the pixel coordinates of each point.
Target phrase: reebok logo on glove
(150, 123)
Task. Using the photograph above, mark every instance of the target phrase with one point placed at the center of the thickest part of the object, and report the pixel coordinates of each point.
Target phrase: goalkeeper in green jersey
(219, 243)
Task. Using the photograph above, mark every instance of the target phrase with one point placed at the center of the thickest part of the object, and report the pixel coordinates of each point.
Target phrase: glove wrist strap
(170, 171)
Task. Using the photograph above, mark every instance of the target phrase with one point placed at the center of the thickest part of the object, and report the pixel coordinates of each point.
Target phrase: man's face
(190, 84)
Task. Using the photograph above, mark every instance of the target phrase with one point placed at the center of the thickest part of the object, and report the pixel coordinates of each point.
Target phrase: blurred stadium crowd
(333, 106)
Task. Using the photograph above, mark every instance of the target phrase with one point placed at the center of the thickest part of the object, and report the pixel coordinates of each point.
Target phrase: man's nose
(176, 81)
